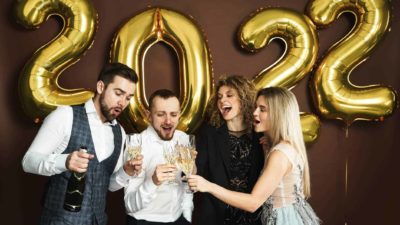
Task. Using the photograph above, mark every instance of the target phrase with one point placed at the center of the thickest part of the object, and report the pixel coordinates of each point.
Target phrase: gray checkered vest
(97, 179)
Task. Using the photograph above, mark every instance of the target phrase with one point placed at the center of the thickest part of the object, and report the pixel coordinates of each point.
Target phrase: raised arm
(141, 190)
(129, 170)
(276, 167)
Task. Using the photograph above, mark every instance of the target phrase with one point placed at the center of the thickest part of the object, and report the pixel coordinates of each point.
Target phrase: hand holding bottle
(78, 161)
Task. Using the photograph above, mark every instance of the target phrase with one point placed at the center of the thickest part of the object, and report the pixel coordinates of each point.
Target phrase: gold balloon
(310, 125)
(298, 33)
(38, 87)
(178, 31)
(334, 95)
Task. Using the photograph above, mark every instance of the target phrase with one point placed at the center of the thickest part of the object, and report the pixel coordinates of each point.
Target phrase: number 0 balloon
(178, 31)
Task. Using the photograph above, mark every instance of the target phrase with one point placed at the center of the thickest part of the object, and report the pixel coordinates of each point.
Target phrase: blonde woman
(284, 183)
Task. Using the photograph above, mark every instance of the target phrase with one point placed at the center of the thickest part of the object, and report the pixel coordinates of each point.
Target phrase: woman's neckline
(238, 133)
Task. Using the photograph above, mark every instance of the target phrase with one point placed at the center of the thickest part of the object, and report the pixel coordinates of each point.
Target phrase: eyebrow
(166, 112)
(227, 92)
(123, 92)
(262, 106)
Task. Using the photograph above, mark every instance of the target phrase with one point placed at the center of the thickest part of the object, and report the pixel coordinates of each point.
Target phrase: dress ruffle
(298, 213)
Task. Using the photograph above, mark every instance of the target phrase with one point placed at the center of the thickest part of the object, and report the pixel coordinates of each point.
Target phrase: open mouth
(167, 129)
(226, 109)
(256, 122)
(117, 110)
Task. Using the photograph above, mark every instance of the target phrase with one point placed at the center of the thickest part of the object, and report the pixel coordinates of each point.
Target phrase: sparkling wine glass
(192, 145)
(170, 157)
(185, 146)
(133, 146)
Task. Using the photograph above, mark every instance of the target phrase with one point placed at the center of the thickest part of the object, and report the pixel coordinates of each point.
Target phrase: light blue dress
(286, 205)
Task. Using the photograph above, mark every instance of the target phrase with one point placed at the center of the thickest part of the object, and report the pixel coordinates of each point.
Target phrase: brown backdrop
(371, 147)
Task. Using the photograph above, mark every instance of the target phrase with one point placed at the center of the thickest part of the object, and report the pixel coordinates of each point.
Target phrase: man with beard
(150, 198)
(55, 151)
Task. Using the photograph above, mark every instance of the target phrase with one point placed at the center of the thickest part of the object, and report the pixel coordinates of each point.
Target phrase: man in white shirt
(149, 198)
(55, 149)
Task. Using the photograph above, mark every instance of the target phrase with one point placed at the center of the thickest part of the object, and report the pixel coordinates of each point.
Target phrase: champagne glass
(192, 145)
(133, 146)
(170, 156)
(186, 160)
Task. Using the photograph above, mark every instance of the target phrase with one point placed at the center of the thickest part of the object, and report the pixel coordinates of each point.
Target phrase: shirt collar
(91, 109)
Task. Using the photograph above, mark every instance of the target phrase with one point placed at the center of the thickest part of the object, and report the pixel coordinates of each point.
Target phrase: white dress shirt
(143, 199)
(44, 156)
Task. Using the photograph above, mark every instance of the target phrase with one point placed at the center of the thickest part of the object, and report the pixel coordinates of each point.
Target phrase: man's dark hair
(111, 70)
(162, 93)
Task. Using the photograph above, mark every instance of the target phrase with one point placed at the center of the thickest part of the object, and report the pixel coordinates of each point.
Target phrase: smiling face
(228, 103)
(261, 115)
(164, 116)
(113, 98)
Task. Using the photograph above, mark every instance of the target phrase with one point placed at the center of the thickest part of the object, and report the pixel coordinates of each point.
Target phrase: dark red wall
(372, 148)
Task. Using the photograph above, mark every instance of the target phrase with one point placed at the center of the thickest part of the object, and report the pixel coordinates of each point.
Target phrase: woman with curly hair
(229, 152)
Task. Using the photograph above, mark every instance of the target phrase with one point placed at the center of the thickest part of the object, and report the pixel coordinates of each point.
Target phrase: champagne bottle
(76, 187)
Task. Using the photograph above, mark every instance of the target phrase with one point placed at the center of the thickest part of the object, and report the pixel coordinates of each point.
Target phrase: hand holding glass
(133, 146)
(186, 160)
(170, 156)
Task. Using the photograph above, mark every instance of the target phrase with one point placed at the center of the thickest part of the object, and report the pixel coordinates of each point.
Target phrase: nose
(221, 100)
(167, 120)
(255, 113)
(122, 102)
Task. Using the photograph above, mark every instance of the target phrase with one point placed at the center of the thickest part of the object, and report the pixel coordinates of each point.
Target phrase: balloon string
(346, 175)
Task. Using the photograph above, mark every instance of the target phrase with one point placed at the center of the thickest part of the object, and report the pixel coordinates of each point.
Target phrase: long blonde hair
(285, 125)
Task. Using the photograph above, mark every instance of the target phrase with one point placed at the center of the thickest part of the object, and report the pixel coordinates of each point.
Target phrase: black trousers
(132, 221)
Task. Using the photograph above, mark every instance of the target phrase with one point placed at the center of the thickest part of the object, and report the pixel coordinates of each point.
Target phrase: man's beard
(106, 111)
(159, 133)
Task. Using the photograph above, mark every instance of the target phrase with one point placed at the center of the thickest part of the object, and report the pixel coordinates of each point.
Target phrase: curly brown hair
(247, 93)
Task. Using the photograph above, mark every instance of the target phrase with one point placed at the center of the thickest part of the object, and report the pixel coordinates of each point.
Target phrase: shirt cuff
(123, 175)
(60, 161)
